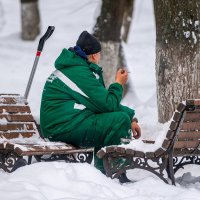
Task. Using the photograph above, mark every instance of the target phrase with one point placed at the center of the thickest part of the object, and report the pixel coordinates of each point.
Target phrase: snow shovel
(42, 41)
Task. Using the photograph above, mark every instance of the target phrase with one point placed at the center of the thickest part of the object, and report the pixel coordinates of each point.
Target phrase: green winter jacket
(75, 91)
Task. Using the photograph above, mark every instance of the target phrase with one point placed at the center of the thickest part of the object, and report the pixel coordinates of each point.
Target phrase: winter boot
(123, 178)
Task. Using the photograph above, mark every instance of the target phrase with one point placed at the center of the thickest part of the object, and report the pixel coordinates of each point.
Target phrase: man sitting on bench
(76, 107)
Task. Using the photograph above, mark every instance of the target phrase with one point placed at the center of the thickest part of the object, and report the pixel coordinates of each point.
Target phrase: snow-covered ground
(58, 180)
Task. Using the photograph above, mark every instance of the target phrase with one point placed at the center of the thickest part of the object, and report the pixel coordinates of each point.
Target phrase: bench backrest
(182, 138)
(188, 138)
(16, 120)
(184, 132)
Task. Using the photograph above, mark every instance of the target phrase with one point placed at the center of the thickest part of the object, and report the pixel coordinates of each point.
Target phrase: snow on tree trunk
(108, 62)
(177, 54)
(30, 19)
(108, 31)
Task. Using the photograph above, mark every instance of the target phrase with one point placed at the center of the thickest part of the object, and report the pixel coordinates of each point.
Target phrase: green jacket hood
(68, 58)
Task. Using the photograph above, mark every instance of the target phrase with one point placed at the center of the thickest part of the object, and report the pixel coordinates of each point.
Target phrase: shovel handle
(43, 39)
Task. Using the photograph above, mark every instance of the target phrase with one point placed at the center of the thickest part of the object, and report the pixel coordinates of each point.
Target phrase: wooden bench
(20, 139)
(180, 147)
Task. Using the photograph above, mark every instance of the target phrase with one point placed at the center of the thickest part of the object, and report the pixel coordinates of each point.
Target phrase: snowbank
(58, 180)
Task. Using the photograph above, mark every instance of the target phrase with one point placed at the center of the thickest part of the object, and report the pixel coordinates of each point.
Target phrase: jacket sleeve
(97, 98)
(127, 110)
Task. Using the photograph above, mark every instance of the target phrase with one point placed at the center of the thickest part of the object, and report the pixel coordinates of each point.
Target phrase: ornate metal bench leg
(107, 166)
(38, 158)
(115, 165)
(171, 169)
(10, 161)
(84, 157)
(185, 160)
(114, 168)
(29, 160)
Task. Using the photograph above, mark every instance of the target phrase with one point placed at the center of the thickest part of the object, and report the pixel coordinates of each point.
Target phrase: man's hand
(136, 130)
(121, 76)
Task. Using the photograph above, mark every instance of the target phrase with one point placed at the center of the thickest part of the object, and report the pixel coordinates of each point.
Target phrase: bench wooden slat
(150, 154)
(13, 100)
(130, 152)
(173, 125)
(15, 109)
(16, 126)
(190, 126)
(51, 152)
(188, 135)
(177, 116)
(139, 154)
(17, 118)
(170, 134)
(13, 135)
(186, 144)
(186, 152)
(110, 149)
(6, 95)
(120, 150)
(8, 100)
(192, 116)
(166, 144)
(181, 107)
(38, 149)
(159, 152)
(193, 102)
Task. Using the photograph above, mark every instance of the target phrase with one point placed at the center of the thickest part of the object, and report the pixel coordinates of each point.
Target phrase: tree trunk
(127, 19)
(128, 14)
(30, 19)
(108, 31)
(177, 54)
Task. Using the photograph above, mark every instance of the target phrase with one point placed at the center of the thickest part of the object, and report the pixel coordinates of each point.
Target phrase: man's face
(94, 58)
(97, 57)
